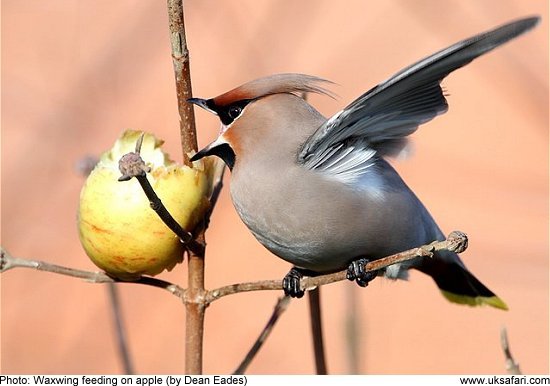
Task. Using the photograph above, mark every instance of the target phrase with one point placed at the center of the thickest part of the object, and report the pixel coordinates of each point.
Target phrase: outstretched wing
(378, 122)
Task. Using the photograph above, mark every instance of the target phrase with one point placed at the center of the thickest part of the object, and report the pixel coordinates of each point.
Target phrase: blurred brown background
(77, 73)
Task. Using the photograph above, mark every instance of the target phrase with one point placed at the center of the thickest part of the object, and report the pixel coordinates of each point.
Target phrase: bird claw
(291, 283)
(357, 272)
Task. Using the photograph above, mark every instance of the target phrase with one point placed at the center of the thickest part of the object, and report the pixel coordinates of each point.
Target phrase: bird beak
(204, 152)
(219, 148)
(211, 148)
(202, 103)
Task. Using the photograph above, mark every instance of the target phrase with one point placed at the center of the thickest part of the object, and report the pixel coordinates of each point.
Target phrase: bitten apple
(118, 229)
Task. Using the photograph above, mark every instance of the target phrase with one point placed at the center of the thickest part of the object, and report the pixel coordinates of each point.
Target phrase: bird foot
(357, 272)
(291, 283)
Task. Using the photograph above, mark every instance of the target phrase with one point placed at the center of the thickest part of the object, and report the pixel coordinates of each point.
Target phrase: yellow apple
(118, 229)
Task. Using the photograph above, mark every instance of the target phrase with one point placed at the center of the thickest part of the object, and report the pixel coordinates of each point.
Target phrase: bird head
(250, 111)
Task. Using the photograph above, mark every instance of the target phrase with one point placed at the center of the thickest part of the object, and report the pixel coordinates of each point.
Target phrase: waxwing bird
(319, 192)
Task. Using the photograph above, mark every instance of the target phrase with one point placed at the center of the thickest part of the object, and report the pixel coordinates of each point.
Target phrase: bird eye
(234, 111)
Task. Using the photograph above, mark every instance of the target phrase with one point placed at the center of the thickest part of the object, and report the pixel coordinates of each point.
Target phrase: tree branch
(455, 242)
(193, 300)
(121, 338)
(196, 302)
(8, 262)
(316, 321)
(512, 367)
(180, 60)
(280, 307)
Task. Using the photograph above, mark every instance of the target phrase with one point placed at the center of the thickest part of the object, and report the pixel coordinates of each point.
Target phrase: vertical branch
(195, 308)
(314, 297)
(180, 60)
(194, 299)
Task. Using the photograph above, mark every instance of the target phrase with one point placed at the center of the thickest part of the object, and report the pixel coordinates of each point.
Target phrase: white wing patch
(346, 161)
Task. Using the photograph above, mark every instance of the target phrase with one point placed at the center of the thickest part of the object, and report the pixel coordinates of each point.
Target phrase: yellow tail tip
(493, 301)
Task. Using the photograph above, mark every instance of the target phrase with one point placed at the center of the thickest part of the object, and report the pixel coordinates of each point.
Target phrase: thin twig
(512, 367)
(8, 262)
(314, 297)
(217, 185)
(122, 341)
(455, 242)
(280, 307)
(132, 165)
(163, 213)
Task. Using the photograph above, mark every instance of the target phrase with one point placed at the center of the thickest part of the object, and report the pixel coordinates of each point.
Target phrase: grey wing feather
(379, 121)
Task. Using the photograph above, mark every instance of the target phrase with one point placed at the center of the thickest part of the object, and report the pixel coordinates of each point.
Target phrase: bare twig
(164, 214)
(8, 262)
(280, 307)
(122, 342)
(180, 61)
(314, 297)
(195, 307)
(197, 302)
(512, 367)
(194, 303)
(456, 242)
(132, 165)
(217, 185)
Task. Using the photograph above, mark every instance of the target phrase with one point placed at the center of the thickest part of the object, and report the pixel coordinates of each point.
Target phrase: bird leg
(357, 272)
(291, 281)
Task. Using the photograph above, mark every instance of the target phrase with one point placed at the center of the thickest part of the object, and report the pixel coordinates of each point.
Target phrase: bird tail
(458, 285)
